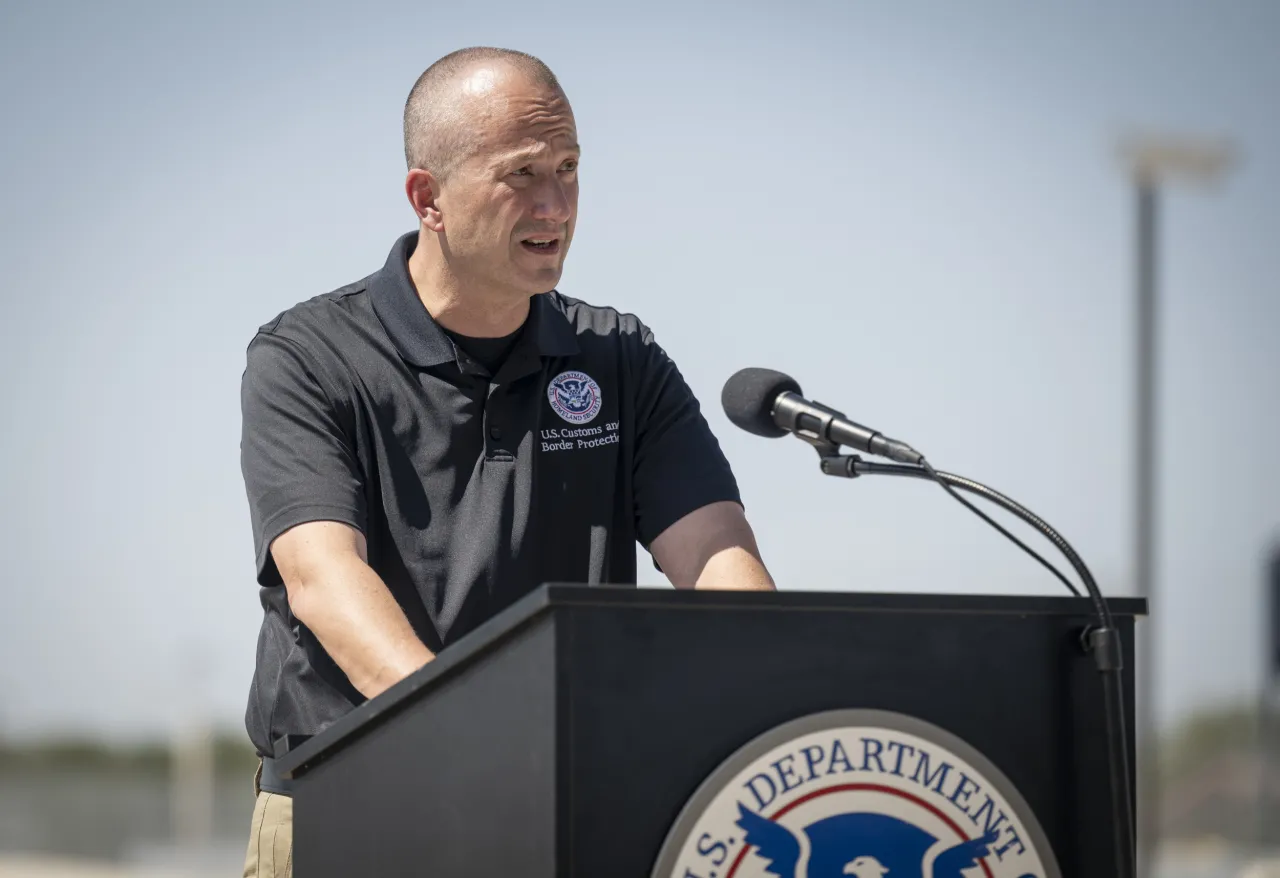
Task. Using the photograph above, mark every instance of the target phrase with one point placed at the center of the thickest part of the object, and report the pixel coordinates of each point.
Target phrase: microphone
(771, 404)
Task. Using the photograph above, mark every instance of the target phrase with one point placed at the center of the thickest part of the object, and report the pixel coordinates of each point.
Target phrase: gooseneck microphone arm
(851, 466)
(1102, 642)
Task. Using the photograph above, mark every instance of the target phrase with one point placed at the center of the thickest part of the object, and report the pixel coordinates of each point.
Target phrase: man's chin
(542, 281)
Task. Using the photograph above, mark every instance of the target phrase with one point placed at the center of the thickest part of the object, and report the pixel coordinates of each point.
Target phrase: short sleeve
(297, 449)
(679, 466)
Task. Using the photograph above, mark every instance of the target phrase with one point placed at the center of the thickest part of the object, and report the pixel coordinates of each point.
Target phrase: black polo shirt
(471, 488)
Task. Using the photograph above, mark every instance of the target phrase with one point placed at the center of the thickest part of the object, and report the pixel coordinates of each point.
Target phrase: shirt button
(495, 433)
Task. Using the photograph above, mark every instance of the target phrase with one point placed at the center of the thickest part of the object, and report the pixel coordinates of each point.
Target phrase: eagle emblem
(574, 396)
(856, 793)
(861, 845)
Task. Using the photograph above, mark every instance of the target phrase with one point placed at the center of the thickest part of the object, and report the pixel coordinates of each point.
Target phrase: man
(427, 445)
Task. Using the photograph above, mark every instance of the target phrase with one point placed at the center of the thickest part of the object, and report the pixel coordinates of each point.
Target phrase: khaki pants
(270, 853)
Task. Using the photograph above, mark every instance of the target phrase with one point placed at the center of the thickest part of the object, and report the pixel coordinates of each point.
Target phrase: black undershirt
(488, 352)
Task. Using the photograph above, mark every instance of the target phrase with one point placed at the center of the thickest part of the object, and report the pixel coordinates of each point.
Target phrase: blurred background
(1038, 242)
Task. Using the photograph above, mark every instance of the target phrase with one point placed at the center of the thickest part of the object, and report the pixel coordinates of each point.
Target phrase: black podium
(567, 735)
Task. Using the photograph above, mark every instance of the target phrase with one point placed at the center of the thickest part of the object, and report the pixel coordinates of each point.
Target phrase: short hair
(435, 138)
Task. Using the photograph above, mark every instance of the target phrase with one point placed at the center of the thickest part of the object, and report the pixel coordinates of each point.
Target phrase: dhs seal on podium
(856, 794)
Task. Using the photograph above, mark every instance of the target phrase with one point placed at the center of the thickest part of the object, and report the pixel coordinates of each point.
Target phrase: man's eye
(523, 172)
(570, 166)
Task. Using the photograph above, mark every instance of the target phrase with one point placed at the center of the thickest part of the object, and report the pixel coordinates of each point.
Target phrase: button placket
(493, 428)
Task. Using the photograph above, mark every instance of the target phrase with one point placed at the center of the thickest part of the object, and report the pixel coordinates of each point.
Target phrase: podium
(580, 731)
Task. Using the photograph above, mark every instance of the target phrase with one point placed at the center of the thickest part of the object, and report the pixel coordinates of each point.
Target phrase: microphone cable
(1017, 509)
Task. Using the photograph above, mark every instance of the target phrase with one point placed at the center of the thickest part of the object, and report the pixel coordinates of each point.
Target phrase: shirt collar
(422, 342)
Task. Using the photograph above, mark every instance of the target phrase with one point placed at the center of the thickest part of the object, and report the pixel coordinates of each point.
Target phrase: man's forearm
(357, 621)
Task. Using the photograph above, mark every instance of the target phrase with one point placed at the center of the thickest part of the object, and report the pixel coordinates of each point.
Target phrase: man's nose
(552, 202)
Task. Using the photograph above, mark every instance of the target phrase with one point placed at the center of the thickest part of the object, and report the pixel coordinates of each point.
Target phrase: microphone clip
(844, 466)
(815, 433)
(830, 460)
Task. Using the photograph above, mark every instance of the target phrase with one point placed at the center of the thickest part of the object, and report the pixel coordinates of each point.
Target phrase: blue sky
(916, 209)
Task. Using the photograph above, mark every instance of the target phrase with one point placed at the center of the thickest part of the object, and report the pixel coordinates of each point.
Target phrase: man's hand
(712, 547)
(337, 595)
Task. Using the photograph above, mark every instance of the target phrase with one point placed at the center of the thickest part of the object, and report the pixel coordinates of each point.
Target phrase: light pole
(1150, 162)
(1268, 817)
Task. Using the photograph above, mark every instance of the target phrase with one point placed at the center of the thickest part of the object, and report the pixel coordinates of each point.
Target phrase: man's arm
(337, 595)
(712, 548)
(689, 511)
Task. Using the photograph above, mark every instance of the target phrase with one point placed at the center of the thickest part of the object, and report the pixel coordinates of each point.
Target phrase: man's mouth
(547, 246)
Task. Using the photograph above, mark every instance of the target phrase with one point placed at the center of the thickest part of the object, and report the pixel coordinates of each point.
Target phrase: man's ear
(423, 189)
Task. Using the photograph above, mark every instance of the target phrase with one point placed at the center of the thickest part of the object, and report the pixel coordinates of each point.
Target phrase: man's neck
(472, 313)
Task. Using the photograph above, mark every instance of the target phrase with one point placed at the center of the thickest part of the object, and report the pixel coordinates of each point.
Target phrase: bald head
(449, 98)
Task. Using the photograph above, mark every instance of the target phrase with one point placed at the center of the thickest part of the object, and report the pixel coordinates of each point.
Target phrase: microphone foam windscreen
(748, 398)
